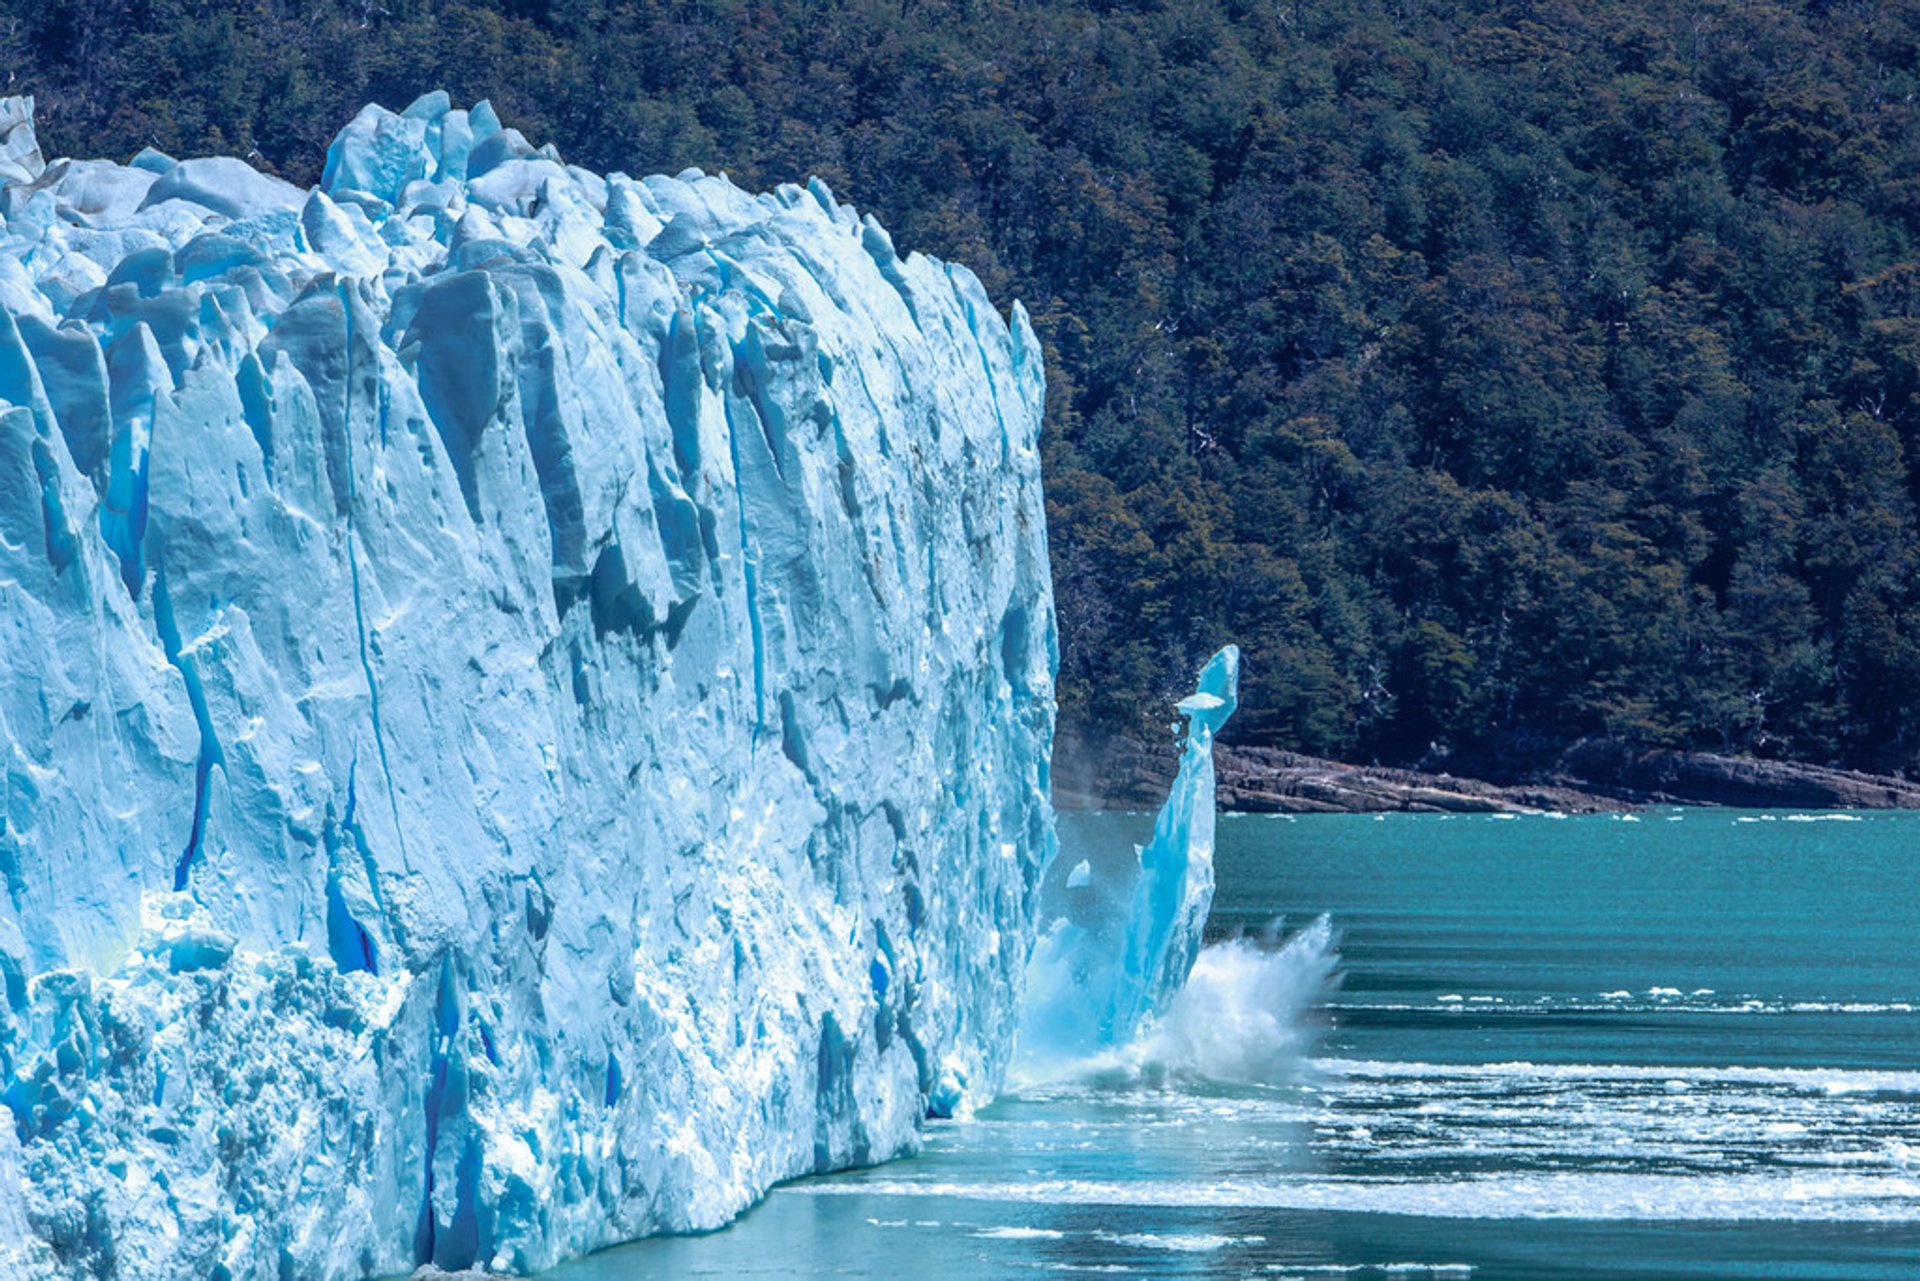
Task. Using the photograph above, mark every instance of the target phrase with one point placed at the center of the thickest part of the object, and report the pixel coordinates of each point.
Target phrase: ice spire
(1175, 889)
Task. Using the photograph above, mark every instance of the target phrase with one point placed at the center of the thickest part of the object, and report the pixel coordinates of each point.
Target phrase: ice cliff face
(525, 701)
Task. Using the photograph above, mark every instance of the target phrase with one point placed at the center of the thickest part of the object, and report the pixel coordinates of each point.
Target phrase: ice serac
(525, 701)
(1116, 948)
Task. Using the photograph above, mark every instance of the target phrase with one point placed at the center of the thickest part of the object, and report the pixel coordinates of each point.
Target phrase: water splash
(1119, 984)
(1244, 1017)
(1245, 1014)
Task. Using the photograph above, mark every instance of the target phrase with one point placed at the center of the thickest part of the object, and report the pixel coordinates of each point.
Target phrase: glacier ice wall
(1118, 947)
(525, 701)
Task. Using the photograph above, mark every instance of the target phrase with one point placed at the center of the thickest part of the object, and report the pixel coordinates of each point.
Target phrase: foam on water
(1520, 1075)
(1515, 1141)
(1178, 1242)
(1363, 1269)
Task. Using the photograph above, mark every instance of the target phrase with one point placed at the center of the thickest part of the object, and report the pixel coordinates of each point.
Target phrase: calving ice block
(525, 701)
(1113, 955)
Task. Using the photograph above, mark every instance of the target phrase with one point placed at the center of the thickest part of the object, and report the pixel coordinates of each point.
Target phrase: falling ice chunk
(1102, 969)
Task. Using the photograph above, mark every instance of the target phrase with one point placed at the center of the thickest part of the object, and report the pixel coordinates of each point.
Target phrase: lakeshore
(1592, 776)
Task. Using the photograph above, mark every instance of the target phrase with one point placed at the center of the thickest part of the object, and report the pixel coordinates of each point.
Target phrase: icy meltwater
(1685, 1044)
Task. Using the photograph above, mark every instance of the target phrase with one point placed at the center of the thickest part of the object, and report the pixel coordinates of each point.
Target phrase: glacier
(526, 701)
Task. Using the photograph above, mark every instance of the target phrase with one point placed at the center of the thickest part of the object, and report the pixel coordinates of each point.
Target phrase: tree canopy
(1494, 374)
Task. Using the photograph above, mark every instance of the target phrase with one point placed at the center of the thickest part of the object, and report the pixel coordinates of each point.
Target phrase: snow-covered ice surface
(525, 701)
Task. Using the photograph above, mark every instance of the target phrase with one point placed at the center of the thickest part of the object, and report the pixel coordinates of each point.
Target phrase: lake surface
(1682, 1044)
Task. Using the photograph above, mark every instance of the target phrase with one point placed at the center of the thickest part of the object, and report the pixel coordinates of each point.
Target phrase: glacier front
(525, 701)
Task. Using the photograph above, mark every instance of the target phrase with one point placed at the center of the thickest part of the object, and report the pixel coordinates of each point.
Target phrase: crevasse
(525, 701)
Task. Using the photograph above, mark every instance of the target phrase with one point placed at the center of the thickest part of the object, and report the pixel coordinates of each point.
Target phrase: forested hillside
(1493, 374)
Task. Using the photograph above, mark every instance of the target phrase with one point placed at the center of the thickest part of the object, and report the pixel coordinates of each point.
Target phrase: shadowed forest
(1494, 375)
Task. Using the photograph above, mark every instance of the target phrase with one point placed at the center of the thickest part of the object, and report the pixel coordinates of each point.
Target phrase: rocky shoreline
(1592, 776)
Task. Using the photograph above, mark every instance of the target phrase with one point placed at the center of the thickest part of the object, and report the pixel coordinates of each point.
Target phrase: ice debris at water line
(525, 701)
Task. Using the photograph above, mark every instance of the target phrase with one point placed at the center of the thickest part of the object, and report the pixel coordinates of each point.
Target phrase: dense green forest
(1493, 374)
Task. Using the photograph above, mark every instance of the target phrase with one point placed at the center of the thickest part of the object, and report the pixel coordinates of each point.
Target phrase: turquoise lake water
(1682, 1044)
